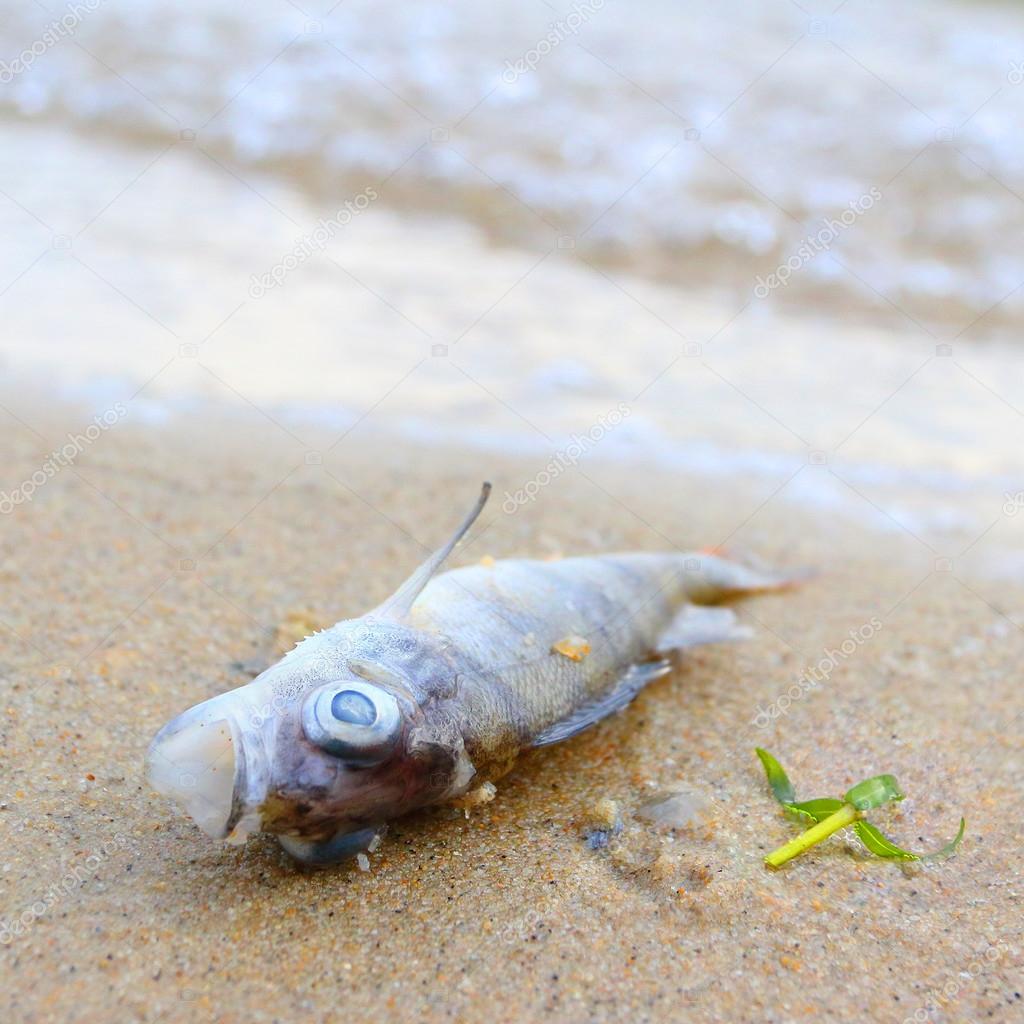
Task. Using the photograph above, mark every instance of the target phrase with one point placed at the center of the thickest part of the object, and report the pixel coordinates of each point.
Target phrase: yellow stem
(846, 815)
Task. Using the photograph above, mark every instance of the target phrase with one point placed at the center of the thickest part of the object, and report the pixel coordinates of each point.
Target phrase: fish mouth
(212, 765)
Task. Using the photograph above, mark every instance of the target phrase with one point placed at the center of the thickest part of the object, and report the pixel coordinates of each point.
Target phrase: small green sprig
(829, 814)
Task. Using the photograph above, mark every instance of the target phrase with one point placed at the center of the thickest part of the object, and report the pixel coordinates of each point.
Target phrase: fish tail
(711, 577)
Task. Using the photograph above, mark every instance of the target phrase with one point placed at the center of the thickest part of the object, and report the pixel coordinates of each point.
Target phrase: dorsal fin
(398, 605)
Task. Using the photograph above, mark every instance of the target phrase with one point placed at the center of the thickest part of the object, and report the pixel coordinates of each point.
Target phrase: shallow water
(418, 328)
(697, 143)
(184, 229)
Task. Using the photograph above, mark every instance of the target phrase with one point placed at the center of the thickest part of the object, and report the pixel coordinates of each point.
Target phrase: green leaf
(865, 796)
(880, 845)
(949, 847)
(817, 810)
(874, 792)
(808, 810)
(777, 777)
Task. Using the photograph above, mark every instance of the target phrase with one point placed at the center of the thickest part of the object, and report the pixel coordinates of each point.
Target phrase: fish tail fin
(710, 577)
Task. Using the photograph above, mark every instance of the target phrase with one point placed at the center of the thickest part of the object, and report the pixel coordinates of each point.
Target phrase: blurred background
(785, 234)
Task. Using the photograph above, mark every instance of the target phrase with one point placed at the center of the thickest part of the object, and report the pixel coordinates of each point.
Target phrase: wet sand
(172, 560)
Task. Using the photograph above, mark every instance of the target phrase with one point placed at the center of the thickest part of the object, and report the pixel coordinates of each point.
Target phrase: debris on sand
(673, 810)
(604, 820)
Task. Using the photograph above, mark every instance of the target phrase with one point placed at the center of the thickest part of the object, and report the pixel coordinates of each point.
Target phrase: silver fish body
(506, 624)
(431, 697)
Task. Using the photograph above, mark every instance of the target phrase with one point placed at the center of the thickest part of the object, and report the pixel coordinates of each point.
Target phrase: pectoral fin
(631, 683)
(696, 625)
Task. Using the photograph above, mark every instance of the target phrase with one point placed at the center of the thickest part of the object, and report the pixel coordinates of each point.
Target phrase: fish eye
(353, 707)
(355, 721)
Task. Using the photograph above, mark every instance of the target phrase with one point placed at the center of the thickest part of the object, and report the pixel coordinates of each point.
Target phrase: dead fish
(430, 697)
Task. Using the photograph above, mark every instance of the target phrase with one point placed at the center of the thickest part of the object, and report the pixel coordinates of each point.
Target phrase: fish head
(337, 738)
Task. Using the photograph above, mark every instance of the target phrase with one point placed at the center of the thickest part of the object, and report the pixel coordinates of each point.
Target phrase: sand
(174, 559)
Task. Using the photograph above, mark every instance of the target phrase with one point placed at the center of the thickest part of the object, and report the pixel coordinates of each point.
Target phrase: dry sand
(170, 559)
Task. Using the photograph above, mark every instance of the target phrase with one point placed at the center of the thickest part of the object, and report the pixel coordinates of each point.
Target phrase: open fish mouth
(211, 762)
